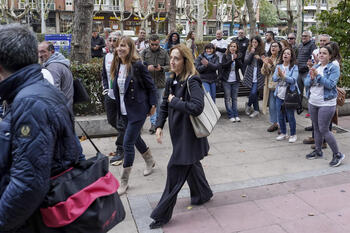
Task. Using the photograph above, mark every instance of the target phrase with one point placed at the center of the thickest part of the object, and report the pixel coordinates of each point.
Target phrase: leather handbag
(292, 99)
(80, 93)
(341, 96)
(204, 124)
(81, 199)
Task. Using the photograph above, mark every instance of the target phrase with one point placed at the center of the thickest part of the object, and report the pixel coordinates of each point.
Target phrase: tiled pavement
(312, 205)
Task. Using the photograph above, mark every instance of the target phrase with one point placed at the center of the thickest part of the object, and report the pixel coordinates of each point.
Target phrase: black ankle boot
(156, 224)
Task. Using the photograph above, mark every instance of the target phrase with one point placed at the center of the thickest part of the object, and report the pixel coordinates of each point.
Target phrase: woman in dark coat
(253, 77)
(188, 150)
(135, 96)
(174, 39)
(231, 63)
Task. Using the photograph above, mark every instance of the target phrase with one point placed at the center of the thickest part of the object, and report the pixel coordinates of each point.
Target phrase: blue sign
(60, 41)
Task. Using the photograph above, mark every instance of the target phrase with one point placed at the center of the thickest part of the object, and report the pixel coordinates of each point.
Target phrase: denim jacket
(329, 81)
(291, 78)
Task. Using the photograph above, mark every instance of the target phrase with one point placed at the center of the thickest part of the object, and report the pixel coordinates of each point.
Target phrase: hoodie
(58, 66)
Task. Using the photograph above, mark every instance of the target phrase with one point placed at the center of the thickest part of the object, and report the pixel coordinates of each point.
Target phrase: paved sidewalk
(243, 156)
(311, 205)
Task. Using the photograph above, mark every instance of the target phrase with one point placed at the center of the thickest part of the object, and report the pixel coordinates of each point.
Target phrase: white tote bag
(204, 124)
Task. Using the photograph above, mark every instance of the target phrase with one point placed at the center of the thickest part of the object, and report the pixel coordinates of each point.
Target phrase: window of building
(212, 30)
(161, 5)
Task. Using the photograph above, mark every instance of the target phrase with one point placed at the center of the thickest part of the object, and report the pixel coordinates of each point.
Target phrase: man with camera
(157, 61)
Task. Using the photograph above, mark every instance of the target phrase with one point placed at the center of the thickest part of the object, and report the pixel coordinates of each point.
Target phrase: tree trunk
(199, 33)
(82, 28)
(172, 16)
(299, 20)
(252, 19)
(318, 11)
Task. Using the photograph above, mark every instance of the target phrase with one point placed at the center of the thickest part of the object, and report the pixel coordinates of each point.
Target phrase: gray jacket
(160, 57)
(58, 66)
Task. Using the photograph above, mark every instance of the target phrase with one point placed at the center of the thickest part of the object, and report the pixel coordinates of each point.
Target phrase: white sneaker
(254, 114)
(238, 119)
(281, 137)
(293, 138)
(247, 109)
(233, 119)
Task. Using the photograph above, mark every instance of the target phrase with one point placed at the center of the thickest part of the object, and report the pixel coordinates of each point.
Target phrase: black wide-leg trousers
(176, 177)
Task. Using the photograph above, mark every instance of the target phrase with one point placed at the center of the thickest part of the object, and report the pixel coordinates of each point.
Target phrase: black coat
(140, 92)
(226, 67)
(187, 148)
(208, 73)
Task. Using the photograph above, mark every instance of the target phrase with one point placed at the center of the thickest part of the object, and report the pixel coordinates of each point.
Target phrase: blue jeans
(211, 88)
(273, 108)
(282, 114)
(253, 97)
(160, 93)
(133, 138)
(231, 93)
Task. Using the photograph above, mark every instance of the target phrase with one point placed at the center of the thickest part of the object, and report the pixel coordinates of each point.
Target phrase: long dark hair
(335, 51)
(260, 50)
(292, 57)
(279, 52)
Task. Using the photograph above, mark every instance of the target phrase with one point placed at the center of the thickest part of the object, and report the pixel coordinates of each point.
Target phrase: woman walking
(135, 96)
(321, 83)
(184, 165)
(286, 74)
(231, 63)
(268, 69)
(207, 65)
(253, 77)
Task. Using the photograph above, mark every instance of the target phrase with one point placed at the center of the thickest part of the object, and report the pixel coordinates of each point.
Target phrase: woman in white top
(321, 89)
(135, 96)
(286, 75)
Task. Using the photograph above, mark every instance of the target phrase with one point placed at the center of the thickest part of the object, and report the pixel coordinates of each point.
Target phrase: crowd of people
(141, 79)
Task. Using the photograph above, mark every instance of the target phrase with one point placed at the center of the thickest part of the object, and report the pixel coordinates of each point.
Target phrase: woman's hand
(170, 97)
(234, 56)
(204, 61)
(257, 57)
(313, 73)
(152, 111)
(281, 73)
(159, 135)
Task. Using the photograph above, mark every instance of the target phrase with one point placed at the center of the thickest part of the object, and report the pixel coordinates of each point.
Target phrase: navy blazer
(140, 92)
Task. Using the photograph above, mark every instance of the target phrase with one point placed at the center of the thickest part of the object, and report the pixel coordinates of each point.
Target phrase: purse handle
(188, 86)
(88, 137)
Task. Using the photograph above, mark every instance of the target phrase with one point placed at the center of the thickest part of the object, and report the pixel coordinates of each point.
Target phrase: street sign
(60, 41)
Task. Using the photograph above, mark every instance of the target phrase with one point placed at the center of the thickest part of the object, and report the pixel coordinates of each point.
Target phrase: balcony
(104, 7)
(21, 6)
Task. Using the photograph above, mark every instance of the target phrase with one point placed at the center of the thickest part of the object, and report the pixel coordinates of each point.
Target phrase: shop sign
(99, 18)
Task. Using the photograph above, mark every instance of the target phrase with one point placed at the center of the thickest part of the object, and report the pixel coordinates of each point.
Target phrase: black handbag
(292, 99)
(82, 199)
(80, 93)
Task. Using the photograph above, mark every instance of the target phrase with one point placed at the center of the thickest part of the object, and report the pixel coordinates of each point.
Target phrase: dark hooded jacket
(37, 141)
(170, 43)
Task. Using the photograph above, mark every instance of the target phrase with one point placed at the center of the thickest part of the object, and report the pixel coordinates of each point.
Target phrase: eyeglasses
(114, 40)
(291, 38)
(154, 44)
(304, 35)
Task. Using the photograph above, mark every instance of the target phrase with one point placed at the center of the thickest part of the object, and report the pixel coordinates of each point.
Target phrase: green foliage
(40, 37)
(179, 28)
(345, 79)
(268, 14)
(336, 23)
(90, 74)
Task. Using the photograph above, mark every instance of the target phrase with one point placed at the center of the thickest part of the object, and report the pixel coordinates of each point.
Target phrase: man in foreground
(37, 138)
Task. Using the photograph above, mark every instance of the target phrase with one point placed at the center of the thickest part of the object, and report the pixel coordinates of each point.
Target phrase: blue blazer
(140, 92)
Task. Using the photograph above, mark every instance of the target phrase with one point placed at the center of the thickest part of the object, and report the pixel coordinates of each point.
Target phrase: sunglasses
(291, 38)
(154, 44)
(114, 40)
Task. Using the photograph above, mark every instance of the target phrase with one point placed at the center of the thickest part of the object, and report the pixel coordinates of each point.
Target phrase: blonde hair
(132, 57)
(189, 68)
